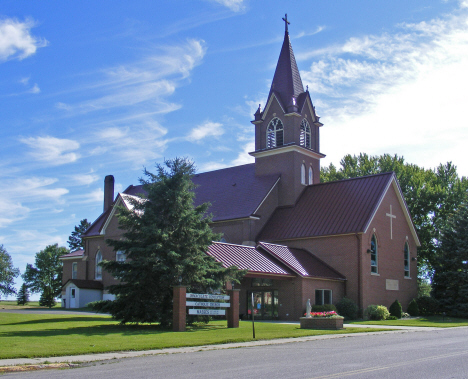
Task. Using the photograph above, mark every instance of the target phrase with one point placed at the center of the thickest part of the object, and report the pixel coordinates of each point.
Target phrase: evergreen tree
(74, 241)
(165, 241)
(46, 276)
(450, 283)
(23, 295)
(47, 298)
(8, 273)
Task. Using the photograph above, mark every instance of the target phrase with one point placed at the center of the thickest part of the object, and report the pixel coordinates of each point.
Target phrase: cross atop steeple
(286, 22)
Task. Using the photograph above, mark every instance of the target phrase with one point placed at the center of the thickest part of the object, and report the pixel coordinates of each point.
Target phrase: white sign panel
(207, 304)
(206, 296)
(207, 312)
(392, 285)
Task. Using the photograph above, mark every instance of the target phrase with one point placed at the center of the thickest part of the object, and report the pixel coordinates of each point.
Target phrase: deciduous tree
(46, 276)
(8, 273)
(165, 242)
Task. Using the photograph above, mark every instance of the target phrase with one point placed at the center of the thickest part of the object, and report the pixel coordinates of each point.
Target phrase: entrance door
(265, 304)
(72, 297)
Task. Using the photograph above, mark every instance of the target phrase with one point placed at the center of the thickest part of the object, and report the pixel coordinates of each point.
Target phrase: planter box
(321, 323)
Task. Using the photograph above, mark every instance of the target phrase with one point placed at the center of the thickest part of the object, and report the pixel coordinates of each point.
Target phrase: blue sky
(92, 88)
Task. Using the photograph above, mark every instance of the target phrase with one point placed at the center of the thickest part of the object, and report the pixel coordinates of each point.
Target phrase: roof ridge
(355, 178)
(232, 244)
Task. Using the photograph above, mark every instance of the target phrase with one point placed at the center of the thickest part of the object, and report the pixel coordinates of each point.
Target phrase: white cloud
(211, 166)
(35, 89)
(85, 179)
(244, 157)
(233, 5)
(16, 41)
(395, 93)
(53, 150)
(207, 129)
(11, 212)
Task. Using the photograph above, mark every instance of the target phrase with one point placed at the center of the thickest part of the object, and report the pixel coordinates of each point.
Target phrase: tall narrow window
(374, 255)
(303, 174)
(74, 270)
(98, 267)
(311, 176)
(406, 260)
(275, 133)
(304, 139)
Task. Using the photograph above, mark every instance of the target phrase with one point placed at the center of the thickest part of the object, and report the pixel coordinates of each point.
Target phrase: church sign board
(207, 304)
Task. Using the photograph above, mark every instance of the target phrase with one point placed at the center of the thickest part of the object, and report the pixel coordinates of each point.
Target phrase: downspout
(359, 253)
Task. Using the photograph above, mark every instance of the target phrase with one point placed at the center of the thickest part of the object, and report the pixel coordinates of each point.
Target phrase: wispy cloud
(233, 5)
(395, 87)
(16, 41)
(54, 151)
(207, 129)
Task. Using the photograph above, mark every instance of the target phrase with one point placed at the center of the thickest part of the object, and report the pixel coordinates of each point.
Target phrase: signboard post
(253, 311)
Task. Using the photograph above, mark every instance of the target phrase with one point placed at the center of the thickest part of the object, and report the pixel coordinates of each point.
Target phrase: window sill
(407, 277)
(375, 274)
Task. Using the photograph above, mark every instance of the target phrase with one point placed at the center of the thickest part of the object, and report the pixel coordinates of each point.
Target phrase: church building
(298, 238)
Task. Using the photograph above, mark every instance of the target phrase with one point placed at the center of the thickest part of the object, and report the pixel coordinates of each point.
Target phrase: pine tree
(23, 295)
(47, 298)
(165, 242)
(74, 241)
(450, 283)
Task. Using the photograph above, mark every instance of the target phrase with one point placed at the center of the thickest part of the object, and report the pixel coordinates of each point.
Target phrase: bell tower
(287, 130)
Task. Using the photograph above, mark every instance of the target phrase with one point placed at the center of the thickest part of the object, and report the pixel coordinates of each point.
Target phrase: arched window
(303, 174)
(406, 259)
(275, 133)
(374, 255)
(311, 176)
(304, 139)
(98, 268)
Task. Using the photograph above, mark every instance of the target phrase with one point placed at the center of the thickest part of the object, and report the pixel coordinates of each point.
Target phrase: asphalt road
(438, 354)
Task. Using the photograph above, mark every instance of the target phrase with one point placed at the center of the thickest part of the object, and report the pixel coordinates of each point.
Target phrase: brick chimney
(108, 191)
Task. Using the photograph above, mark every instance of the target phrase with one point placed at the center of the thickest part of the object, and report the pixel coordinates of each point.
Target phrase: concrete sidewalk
(7, 364)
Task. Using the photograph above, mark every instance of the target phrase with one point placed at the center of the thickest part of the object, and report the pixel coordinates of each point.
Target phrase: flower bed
(322, 320)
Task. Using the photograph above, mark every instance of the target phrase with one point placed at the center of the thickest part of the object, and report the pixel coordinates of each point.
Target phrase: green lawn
(46, 335)
(432, 321)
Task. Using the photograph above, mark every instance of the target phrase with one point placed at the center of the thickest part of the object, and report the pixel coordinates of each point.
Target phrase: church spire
(287, 83)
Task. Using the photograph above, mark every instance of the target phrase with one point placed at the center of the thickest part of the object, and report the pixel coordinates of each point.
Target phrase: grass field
(11, 304)
(47, 335)
(429, 321)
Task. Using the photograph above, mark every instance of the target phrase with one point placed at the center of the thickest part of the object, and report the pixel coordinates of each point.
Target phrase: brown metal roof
(246, 258)
(332, 208)
(301, 261)
(74, 254)
(287, 80)
(234, 192)
(85, 284)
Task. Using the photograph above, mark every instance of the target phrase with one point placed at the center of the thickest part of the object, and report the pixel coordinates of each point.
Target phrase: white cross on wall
(392, 216)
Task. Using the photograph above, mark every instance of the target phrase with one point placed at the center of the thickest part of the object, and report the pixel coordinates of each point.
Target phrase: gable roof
(341, 207)
(234, 192)
(301, 261)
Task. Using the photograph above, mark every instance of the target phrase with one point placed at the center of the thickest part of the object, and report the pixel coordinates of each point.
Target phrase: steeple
(287, 83)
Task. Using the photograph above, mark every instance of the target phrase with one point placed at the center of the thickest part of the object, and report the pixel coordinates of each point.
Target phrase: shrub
(377, 312)
(392, 317)
(324, 308)
(395, 309)
(101, 306)
(413, 308)
(405, 315)
(427, 305)
(347, 308)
